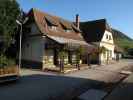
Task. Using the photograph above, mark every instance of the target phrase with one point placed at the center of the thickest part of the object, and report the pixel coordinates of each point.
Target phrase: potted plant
(6, 65)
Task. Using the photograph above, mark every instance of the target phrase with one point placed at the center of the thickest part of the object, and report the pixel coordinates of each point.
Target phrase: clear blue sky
(119, 13)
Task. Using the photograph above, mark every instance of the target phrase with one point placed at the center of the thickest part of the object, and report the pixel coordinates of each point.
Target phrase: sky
(119, 13)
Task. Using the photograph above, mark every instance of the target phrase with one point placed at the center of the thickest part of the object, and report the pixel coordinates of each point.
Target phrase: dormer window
(54, 28)
(51, 22)
(68, 30)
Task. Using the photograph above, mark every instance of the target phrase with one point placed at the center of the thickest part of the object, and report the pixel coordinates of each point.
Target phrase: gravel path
(104, 73)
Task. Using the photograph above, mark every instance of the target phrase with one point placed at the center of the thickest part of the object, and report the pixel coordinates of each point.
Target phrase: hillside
(122, 40)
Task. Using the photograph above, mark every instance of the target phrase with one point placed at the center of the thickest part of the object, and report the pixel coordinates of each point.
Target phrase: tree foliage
(4, 61)
(79, 52)
(122, 40)
(63, 53)
(9, 11)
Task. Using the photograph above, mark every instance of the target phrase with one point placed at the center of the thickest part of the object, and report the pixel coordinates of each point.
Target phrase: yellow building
(99, 33)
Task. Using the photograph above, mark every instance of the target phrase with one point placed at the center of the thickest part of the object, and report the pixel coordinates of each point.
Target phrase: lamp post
(20, 39)
(20, 43)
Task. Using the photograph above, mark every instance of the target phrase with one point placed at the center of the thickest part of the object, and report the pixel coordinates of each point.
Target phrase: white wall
(107, 43)
(104, 39)
(33, 29)
(33, 48)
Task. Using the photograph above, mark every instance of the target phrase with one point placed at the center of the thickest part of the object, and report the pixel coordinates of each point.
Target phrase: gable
(107, 37)
(30, 29)
(93, 31)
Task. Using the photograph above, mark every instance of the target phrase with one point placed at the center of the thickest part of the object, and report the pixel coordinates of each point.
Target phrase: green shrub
(4, 61)
(79, 52)
(62, 54)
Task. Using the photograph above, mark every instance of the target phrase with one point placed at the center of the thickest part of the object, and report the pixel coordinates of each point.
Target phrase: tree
(9, 11)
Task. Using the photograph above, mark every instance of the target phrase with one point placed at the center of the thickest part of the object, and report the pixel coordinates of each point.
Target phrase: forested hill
(122, 40)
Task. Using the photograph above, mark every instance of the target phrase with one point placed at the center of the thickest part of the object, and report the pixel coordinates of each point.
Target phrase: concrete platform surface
(92, 94)
(45, 87)
(124, 91)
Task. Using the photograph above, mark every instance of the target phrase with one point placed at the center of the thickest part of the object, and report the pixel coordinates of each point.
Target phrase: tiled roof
(93, 31)
(50, 21)
(42, 19)
(65, 24)
(74, 43)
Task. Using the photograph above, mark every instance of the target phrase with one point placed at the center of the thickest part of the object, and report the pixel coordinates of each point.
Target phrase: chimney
(77, 20)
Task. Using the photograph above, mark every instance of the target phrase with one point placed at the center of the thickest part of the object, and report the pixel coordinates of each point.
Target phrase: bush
(4, 61)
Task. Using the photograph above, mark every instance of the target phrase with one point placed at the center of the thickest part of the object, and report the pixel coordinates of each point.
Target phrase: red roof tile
(40, 19)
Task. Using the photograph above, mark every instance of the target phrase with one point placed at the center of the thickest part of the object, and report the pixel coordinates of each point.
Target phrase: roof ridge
(104, 19)
(51, 15)
(42, 25)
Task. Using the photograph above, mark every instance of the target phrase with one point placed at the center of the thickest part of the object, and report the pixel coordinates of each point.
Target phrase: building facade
(48, 38)
(99, 33)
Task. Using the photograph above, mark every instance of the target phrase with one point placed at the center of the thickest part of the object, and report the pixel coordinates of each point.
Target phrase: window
(68, 30)
(106, 36)
(110, 53)
(53, 28)
(110, 37)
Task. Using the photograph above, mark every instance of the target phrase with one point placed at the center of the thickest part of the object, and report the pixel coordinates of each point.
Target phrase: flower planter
(1, 71)
(8, 74)
(8, 70)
